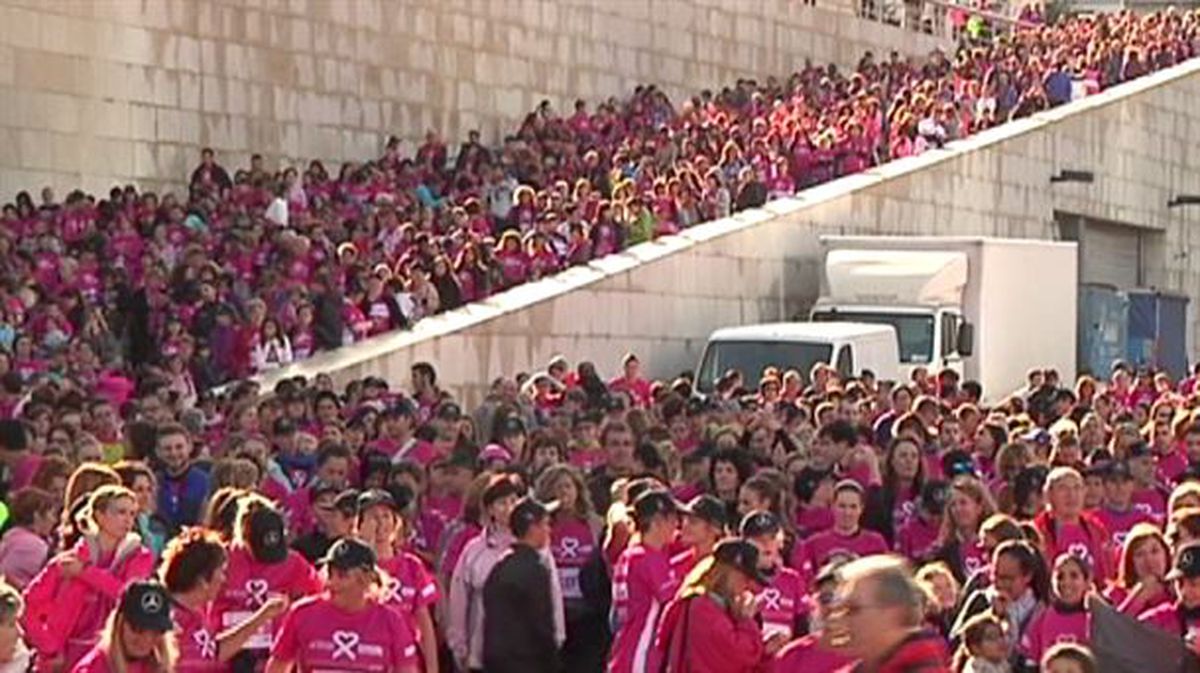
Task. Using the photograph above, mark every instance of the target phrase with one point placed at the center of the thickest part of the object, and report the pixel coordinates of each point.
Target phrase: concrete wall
(97, 91)
(661, 299)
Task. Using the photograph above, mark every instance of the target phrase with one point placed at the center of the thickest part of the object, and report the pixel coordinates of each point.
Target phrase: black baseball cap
(320, 488)
(268, 541)
(376, 497)
(1117, 470)
(147, 607)
(347, 503)
(529, 511)
(1187, 562)
(348, 554)
(398, 409)
(449, 411)
(759, 523)
(653, 503)
(709, 509)
(512, 426)
(741, 555)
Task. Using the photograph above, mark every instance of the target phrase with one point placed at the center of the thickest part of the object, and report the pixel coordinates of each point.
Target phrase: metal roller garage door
(1110, 254)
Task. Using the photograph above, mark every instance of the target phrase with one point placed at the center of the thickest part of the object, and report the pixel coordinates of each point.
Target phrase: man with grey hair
(880, 610)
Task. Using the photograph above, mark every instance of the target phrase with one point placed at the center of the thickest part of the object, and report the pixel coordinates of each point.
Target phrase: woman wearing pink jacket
(73, 595)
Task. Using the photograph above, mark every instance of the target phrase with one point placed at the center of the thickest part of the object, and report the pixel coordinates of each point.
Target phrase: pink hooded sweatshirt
(64, 616)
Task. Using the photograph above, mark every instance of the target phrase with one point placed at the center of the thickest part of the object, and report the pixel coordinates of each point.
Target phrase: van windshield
(752, 357)
(913, 332)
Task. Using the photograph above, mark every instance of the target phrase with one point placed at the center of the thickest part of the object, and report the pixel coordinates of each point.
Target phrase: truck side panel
(1029, 294)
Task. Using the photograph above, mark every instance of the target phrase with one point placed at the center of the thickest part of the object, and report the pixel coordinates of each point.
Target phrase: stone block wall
(104, 91)
(663, 298)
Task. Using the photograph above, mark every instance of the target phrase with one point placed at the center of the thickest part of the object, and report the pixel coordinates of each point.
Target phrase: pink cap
(495, 452)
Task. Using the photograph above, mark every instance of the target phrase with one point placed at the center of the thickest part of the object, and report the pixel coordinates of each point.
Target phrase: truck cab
(934, 338)
(917, 293)
(847, 347)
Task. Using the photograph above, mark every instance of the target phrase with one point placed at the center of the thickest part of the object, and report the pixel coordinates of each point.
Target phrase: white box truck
(989, 308)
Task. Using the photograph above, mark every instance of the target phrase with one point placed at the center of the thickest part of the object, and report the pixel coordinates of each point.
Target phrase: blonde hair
(99, 501)
(162, 661)
(549, 478)
(1185, 490)
(975, 490)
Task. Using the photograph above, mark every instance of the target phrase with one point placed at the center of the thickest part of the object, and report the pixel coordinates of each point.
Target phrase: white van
(846, 346)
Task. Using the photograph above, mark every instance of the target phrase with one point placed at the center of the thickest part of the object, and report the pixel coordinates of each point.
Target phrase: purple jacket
(22, 555)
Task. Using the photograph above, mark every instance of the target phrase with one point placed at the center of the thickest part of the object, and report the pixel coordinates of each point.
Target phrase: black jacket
(327, 319)
(518, 616)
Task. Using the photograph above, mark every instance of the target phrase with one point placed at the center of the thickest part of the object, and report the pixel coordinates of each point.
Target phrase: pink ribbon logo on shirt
(344, 643)
(1079, 550)
(391, 591)
(206, 643)
(257, 588)
(771, 599)
(570, 547)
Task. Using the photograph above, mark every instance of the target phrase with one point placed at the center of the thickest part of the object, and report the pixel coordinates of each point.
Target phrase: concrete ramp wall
(1141, 141)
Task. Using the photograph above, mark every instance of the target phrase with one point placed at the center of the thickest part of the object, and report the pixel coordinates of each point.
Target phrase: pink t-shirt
(572, 544)
(917, 538)
(637, 389)
(1120, 523)
(1151, 501)
(642, 584)
(249, 583)
(319, 636)
(1073, 539)
(196, 640)
(781, 603)
(1170, 466)
(1051, 627)
(973, 557)
(814, 553)
(410, 586)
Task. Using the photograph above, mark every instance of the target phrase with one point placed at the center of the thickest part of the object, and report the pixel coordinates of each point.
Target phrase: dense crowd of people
(248, 272)
(791, 521)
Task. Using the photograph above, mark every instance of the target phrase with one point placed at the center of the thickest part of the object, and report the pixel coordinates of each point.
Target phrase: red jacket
(921, 652)
(1098, 541)
(698, 635)
(53, 602)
